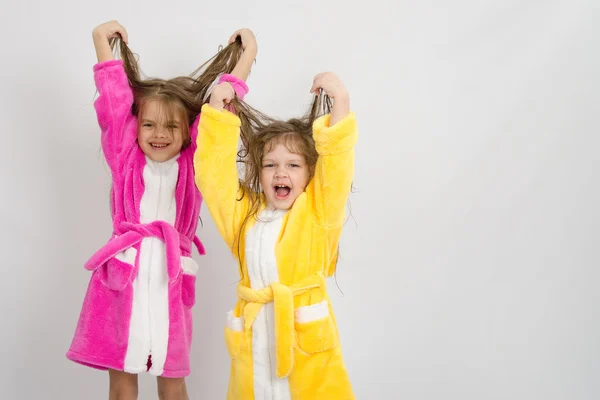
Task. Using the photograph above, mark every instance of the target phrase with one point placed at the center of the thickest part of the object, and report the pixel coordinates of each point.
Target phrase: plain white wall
(471, 269)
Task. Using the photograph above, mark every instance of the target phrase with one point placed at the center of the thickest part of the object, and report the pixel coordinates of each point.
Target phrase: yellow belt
(283, 298)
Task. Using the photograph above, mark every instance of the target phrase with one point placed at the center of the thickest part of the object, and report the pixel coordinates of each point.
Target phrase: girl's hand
(335, 89)
(248, 39)
(102, 35)
(222, 94)
(244, 64)
(331, 84)
(109, 30)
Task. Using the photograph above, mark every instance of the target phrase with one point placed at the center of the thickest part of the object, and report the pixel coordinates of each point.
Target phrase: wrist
(251, 49)
(343, 97)
(217, 105)
(98, 35)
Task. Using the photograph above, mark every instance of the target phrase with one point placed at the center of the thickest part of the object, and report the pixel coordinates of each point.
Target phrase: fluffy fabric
(102, 337)
(308, 353)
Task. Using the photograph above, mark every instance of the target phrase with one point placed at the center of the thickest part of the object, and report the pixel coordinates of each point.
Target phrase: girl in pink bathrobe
(136, 316)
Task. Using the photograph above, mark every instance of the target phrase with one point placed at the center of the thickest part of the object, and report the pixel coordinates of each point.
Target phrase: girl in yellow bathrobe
(283, 222)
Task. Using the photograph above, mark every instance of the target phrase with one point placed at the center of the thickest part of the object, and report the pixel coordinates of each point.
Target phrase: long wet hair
(183, 95)
(259, 133)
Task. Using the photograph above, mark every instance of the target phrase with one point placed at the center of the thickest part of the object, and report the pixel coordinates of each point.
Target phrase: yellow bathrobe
(308, 354)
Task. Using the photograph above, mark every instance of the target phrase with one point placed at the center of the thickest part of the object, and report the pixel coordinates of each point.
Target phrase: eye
(147, 125)
(294, 166)
(268, 165)
(172, 126)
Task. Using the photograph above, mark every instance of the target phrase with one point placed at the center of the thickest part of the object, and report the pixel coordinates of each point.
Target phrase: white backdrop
(470, 269)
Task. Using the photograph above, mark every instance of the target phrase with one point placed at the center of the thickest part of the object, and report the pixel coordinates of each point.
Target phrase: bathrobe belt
(283, 298)
(130, 234)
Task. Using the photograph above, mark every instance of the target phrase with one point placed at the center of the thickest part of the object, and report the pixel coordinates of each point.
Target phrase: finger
(231, 91)
(314, 86)
(317, 82)
(124, 35)
(228, 92)
(319, 75)
(234, 36)
(114, 34)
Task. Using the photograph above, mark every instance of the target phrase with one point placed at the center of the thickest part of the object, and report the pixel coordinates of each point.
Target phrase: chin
(160, 157)
(284, 205)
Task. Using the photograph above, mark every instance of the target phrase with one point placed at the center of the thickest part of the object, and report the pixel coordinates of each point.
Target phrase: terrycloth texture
(309, 353)
(262, 269)
(101, 338)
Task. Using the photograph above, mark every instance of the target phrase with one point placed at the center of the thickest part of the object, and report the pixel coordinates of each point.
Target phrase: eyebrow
(293, 160)
(172, 122)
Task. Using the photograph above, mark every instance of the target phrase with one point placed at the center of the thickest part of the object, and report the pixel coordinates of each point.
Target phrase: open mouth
(282, 191)
(159, 146)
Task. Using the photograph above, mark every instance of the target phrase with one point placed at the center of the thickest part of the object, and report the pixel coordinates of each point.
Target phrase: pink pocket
(116, 274)
(188, 290)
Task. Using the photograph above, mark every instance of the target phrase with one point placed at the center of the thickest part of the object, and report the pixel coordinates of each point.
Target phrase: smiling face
(283, 175)
(162, 130)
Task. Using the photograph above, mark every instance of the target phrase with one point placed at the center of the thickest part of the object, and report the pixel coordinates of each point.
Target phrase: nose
(280, 172)
(160, 132)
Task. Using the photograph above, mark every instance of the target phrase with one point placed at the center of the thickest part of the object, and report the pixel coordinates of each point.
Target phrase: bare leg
(123, 386)
(171, 388)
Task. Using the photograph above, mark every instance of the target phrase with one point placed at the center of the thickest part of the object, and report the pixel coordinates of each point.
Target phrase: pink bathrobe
(109, 334)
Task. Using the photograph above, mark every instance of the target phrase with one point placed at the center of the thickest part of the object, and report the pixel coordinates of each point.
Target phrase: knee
(171, 389)
(123, 386)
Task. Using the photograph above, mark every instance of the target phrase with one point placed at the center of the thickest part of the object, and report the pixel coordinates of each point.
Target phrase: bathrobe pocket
(116, 273)
(315, 328)
(188, 281)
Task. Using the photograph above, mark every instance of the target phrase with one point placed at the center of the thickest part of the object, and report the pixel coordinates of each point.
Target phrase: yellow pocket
(233, 341)
(234, 334)
(316, 336)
